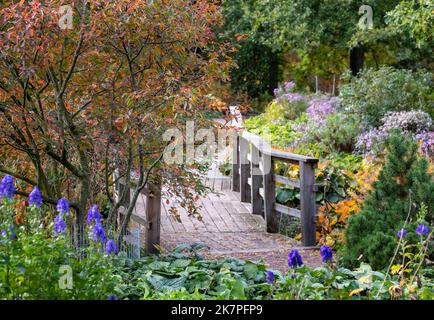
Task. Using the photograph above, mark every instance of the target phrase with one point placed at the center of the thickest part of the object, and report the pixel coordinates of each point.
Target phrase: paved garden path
(229, 229)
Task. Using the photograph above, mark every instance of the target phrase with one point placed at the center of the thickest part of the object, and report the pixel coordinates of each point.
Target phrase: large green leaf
(333, 197)
(250, 270)
(180, 263)
(284, 195)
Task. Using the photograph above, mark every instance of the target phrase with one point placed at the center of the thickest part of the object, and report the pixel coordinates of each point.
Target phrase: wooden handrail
(253, 165)
(266, 148)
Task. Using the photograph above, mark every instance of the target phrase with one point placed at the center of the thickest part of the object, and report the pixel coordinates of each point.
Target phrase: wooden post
(236, 164)
(244, 170)
(269, 194)
(307, 200)
(256, 200)
(153, 218)
(125, 201)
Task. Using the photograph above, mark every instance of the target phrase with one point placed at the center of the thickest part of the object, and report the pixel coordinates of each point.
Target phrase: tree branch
(18, 176)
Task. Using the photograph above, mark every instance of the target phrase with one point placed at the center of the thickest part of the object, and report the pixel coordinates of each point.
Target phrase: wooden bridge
(240, 217)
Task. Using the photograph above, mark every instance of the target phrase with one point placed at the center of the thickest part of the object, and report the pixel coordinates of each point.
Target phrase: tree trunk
(81, 214)
(357, 58)
(273, 82)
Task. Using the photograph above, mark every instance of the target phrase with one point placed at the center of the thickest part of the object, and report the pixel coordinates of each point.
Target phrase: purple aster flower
(112, 297)
(320, 107)
(289, 85)
(93, 214)
(269, 278)
(422, 230)
(326, 253)
(63, 206)
(7, 187)
(35, 197)
(427, 140)
(110, 247)
(59, 224)
(98, 232)
(3, 233)
(294, 259)
(290, 97)
(402, 233)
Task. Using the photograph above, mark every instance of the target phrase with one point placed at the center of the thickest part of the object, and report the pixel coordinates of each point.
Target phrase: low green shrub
(280, 132)
(333, 181)
(34, 260)
(30, 260)
(376, 92)
(403, 184)
(337, 133)
(184, 275)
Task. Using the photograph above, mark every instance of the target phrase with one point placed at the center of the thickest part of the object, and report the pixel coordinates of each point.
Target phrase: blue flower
(7, 187)
(35, 197)
(326, 253)
(402, 233)
(98, 232)
(63, 206)
(422, 230)
(59, 224)
(112, 297)
(93, 214)
(269, 278)
(12, 233)
(294, 259)
(3, 233)
(110, 247)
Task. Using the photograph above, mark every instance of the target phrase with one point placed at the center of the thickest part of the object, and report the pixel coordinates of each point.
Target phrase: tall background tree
(322, 38)
(78, 104)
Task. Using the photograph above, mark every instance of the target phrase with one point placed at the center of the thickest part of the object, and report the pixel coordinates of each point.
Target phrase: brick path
(229, 229)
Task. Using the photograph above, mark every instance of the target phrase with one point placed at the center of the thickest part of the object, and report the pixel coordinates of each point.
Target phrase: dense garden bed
(350, 134)
(85, 105)
(37, 261)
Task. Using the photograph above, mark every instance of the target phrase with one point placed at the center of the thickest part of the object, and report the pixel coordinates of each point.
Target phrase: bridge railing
(254, 177)
(150, 221)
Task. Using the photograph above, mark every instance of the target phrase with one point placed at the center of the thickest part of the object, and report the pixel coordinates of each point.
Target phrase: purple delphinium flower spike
(111, 247)
(63, 206)
(35, 197)
(93, 214)
(402, 233)
(59, 224)
(270, 278)
(326, 253)
(98, 232)
(294, 259)
(7, 187)
(422, 230)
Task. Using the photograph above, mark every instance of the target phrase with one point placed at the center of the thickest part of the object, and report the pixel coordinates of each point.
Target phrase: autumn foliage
(77, 103)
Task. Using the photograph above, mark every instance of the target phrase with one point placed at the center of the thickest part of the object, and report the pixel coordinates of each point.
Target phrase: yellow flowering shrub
(333, 217)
